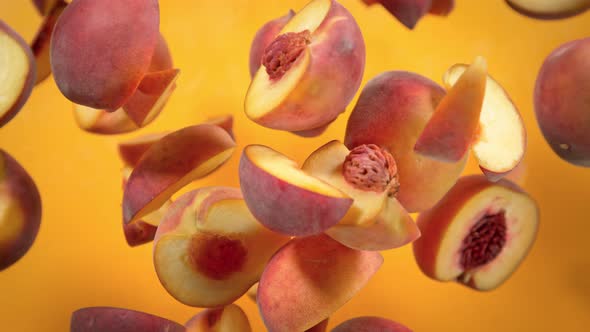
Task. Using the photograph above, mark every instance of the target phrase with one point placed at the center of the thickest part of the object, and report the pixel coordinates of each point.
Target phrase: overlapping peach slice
(20, 211)
(450, 131)
(102, 319)
(230, 318)
(310, 71)
(209, 249)
(367, 174)
(549, 9)
(40, 45)
(18, 72)
(309, 279)
(171, 163)
(477, 234)
(500, 142)
(285, 198)
(264, 36)
(370, 324)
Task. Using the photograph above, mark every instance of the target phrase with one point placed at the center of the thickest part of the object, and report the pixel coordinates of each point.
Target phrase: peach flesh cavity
(371, 168)
(484, 241)
(280, 55)
(220, 258)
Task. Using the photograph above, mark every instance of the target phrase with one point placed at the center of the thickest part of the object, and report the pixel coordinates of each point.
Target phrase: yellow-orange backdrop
(81, 259)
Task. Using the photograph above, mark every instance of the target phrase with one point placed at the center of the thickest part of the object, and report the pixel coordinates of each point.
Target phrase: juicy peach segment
(20, 211)
(562, 100)
(40, 46)
(285, 198)
(102, 319)
(310, 72)
(408, 12)
(18, 72)
(441, 7)
(392, 111)
(370, 324)
(226, 319)
(132, 150)
(209, 249)
(309, 279)
(103, 122)
(500, 142)
(477, 234)
(171, 163)
(549, 9)
(264, 36)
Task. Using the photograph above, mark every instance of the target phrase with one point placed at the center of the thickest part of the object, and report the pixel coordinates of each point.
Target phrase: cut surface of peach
(549, 9)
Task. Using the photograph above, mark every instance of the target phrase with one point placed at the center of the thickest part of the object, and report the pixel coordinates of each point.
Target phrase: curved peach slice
(477, 234)
(549, 9)
(40, 45)
(449, 133)
(309, 279)
(226, 122)
(408, 12)
(209, 249)
(18, 72)
(310, 72)
(226, 319)
(102, 319)
(286, 199)
(264, 36)
(103, 122)
(370, 324)
(132, 150)
(319, 327)
(441, 7)
(20, 211)
(500, 142)
(171, 163)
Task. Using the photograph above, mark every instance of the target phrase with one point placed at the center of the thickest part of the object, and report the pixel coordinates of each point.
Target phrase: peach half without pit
(310, 72)
(370, 324)
(477, 234)
(102, 319)
(230, 318)
(209, 249)
(549, 9)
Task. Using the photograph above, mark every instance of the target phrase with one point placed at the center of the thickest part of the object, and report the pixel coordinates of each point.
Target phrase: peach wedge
(209, 249)
(370, 324)
(549, 9)
(103, 319)
(102, 122)
(226, 319)
(408, 12)
(170, 164)
(310, 71)
(286, 199)
(40, 45)
(264, 36)
(44, 7)
(477, 234)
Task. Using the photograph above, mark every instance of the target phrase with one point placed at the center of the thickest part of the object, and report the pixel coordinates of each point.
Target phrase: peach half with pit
(370, 324)
(102, 319)
(230, 318)
(264, 36)
(549, 9)
(478, 234)
(209, 249)
(310, 72)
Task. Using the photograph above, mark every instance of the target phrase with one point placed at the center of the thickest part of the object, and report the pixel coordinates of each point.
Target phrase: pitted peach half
(209, 249)
(132, 150)
(285, 198)
(549, 9)
(18, 72)
(408, 12)
(500, 142)
(102, 319)
(230, 318)
(40, 45)
(20, 211)
(309, 279)
(450, 131)
(310, 71)
(370, 324)
(264, 36)
(171, 163)
(477, 234)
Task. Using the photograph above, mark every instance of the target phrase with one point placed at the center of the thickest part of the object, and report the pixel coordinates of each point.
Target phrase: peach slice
(477, 234)
(309, 279)
(227, 319)
(18, 72)
(408, 12)
(102, 319)
(391, 112)
(226, 122)
(44, 7)
(310, 72)
(549, 9)
(370, 324)
(562, 100)
(20, 211)
(449, 133)
(103, 122)
(171, 163)
(441, 7)
(286, 199)
(40, 45)
(132, 150)
(264, 36)
(500, 142)
(209, 249)
(319, 327)
(252, 292)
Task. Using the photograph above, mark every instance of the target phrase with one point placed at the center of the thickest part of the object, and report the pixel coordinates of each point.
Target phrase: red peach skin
(442, 7)
(107, 319)
(264, 37)
(370, 324)
(408, 12)
(40, 45)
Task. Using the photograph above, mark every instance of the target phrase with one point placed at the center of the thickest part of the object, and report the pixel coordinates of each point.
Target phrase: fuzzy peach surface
(81, 259)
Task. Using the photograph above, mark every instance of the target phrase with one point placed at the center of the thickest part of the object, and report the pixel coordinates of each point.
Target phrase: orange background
(80, 257)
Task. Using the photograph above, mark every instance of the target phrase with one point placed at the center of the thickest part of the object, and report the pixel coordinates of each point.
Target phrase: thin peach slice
(370, 324)
(102, 319)
(226, 122)
(230, 318)
(103, 122)
(549, 9)
(132, 150)
(40, 45)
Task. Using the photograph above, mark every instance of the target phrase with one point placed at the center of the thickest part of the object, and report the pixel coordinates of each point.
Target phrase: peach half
(309, 279)
(209, 249)
(264, 36)
(477, 234)
(103, 319)
(171, 163)
(549, 9)
(391, 112)
(370, 324)
(367, 174)
(40, 45)
(310, 72)
(500, 142)
(285, 198)
(18, 72)
(562, 101)
(226, 319)
(20, 211)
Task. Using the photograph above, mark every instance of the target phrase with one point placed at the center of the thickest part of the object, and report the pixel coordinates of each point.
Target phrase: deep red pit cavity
(485, 241)
(280, 55)
(371, 168)
(217, 257)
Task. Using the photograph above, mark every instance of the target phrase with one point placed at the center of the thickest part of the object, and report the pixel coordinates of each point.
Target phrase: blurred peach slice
(549, 9)
(40, 45)
(230, 318)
